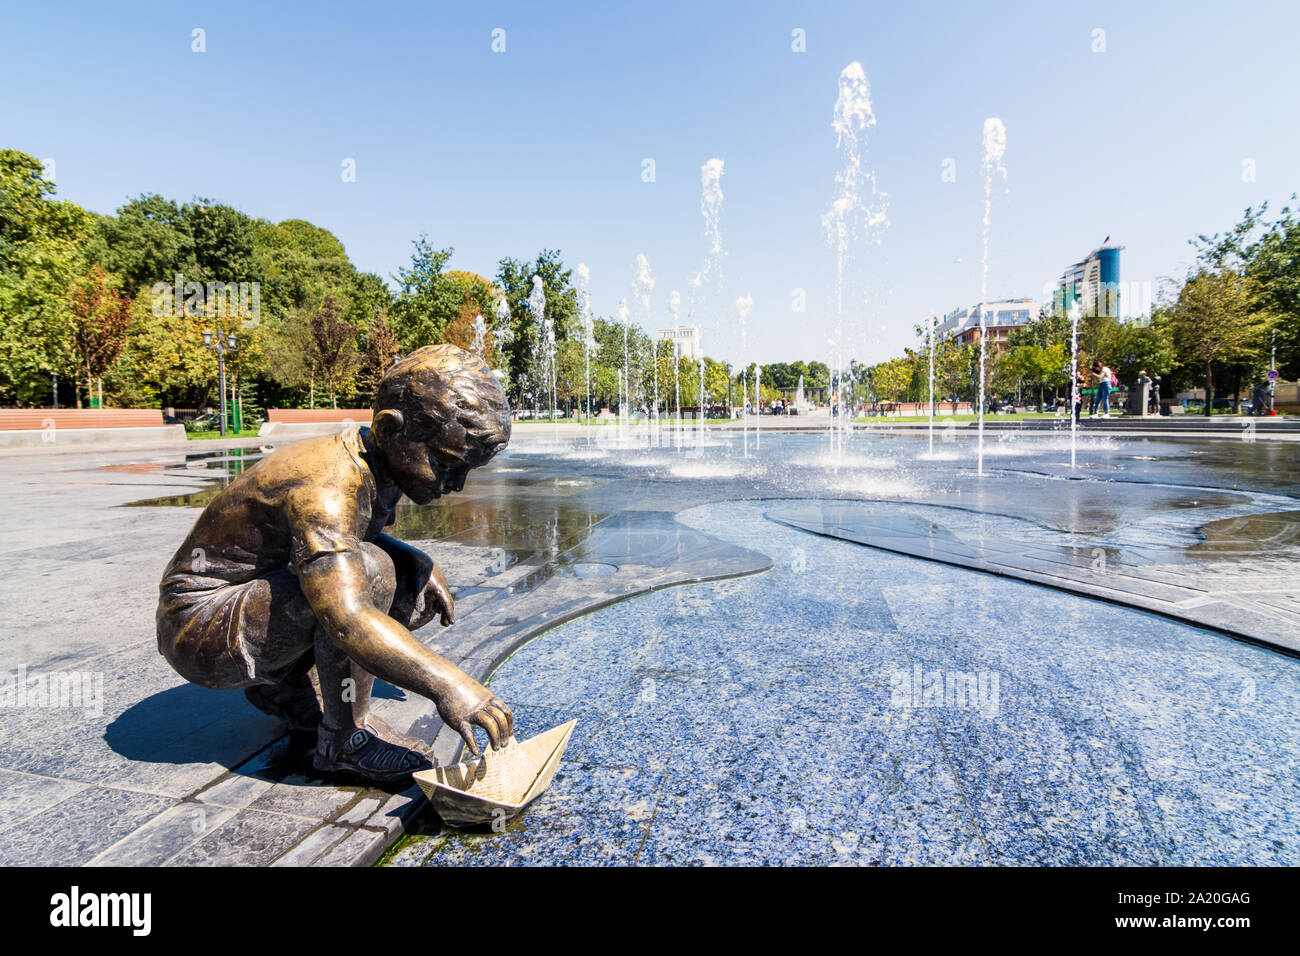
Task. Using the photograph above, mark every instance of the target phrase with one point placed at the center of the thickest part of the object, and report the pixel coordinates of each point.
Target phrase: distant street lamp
(221, 344)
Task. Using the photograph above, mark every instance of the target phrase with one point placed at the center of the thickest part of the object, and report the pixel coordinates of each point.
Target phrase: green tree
(99, 320)
(41, 253)
(427, 298)
(146, 242)
(1218, 316)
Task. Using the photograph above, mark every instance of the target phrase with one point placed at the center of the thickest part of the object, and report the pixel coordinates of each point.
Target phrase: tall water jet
(711, 210)
(1075, 397)
(934, 325)
(744, 305)
(502, 334)
(624, 412)
(858, 210)
(675, 308)
(545, 359)
(643, 285)
(758, 406)
(995, 148)
(583, 285)
(480, 334)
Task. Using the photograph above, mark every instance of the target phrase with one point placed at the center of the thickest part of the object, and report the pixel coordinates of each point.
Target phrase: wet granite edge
(448, 745)
(1217, 616)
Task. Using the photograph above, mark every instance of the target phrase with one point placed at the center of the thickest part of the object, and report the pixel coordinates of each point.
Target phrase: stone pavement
(148, 768)
(1259, 602)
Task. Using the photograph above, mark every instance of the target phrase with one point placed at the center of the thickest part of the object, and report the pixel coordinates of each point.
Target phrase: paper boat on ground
(498, 784)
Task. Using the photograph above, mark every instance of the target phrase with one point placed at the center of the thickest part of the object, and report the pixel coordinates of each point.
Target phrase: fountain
(545, 356)
(711, 209)
(675, 307)
(995, 147)
(854, 212)
(744, 304)
(624, 412)
(934, 324)
(480, 333)
(1075, 397)
(588, 327)
(643, 285)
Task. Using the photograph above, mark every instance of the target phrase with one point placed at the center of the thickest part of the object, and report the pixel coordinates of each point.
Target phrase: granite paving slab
(1244, 606)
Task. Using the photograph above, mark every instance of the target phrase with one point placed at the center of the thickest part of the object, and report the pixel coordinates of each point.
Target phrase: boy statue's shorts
(223, 635)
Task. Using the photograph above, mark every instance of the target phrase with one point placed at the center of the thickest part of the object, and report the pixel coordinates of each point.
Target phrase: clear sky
(1149, 141)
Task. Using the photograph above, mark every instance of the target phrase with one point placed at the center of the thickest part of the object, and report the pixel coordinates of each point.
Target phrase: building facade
(1092, 284)
(685, 339)
(1000, 320)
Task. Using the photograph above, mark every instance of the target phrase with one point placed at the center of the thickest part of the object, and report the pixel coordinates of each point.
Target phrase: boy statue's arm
(337, 587)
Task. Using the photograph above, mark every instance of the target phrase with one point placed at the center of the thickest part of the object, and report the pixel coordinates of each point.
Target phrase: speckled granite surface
(780, 719)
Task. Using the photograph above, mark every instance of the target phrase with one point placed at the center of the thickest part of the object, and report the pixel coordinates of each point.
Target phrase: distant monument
(685, 339)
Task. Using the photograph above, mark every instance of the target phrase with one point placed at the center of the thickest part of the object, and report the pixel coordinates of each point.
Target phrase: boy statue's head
(438, 413)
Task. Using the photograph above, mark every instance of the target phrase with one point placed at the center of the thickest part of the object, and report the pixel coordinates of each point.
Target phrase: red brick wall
(34, 419)
(361, 416)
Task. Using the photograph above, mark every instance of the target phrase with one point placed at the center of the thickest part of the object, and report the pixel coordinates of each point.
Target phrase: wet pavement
(550, 531)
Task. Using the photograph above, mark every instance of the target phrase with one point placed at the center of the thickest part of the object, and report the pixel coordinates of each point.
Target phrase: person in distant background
(1259, 399)
(1105, 381)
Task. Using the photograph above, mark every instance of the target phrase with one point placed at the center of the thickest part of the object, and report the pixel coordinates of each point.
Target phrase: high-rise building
(685, 339)
(1092, 284)
(1000, 320)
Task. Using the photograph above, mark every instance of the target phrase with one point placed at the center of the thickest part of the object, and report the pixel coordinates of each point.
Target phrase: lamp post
(221, 343)
(1272, 373)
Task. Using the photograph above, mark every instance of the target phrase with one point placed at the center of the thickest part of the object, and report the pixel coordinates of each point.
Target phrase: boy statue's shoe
(361, 751)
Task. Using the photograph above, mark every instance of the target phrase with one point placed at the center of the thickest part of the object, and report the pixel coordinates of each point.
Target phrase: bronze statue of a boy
(287, 587)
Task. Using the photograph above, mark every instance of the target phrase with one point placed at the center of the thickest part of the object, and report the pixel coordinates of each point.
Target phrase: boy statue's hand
(434, 600)
(465, 703)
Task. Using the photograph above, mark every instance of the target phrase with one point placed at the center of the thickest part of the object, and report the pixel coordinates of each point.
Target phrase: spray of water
(545, 342)
(643, 284)
(674, 309)
(625, 319)
(480, 334)
(583, 286)
(934, 324)
(858, 210)
(502, 334)
(995, 148)
(711, 210)
(744, 305)
(1075, 398)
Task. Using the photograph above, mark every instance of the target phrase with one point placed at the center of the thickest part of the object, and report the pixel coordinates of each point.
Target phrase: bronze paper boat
(497, 785)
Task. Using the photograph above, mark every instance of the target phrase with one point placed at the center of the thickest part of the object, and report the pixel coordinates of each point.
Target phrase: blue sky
(542, 145)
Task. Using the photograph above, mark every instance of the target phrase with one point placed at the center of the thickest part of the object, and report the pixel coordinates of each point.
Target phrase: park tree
(1038, 366)
(427, 299)
(41, 254)
(1269, 253)
(1218, 316)
(222, 242)
(514, 282)
(99, 317)
(381, 350)
(300, 263)
(145, 242)
(892, 380)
